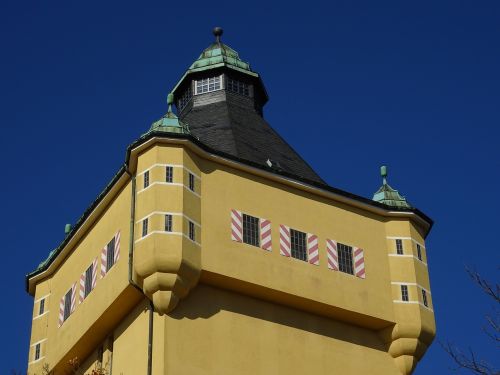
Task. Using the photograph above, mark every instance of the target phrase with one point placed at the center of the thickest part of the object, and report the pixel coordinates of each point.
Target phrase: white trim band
(168, 213)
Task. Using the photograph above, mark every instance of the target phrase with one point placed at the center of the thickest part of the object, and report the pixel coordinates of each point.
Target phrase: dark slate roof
(242, 132)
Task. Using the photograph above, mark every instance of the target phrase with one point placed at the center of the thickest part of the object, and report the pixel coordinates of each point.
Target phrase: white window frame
(221, 78)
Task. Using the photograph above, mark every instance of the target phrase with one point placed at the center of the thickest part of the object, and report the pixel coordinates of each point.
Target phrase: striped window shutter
(117, 247)
(61, 311)
(82, 286)
(265, 234)
(312, 249)
(333, 258)
(284, 240)
(104, 259)
(73, 297)
(236, 226)
(359, 263)
(94, 273)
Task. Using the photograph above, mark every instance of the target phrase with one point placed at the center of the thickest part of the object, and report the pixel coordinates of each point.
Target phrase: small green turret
(170, 123)
(387, 194)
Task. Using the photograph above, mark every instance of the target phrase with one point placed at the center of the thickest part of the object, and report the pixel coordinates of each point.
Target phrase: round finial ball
(217, 31)
(170, 99)
(383, 171)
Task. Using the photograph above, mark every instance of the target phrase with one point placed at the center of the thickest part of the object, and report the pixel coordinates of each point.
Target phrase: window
(169, 174)
(399, 246)
(298, 244)
(110, 258)
(404, 293)
(251, 230)
(191, 182)
(345, 258)
(67, 305)
(184, 99)
(419, 252)
(37, 352)
(146, 179)
(191, 231)
(424, 298)
(145, 227)
(88, 280)
(238, 87)
(168, 223)
(41, 309)
(208, 85)
(100, 352)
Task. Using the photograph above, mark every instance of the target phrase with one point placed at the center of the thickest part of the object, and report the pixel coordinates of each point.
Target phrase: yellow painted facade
(177, 304)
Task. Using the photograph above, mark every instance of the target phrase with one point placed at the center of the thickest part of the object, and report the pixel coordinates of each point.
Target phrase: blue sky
(352, 85)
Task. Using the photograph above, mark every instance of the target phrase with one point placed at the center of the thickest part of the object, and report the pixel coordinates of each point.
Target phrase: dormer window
(208, 85)
(238, 87)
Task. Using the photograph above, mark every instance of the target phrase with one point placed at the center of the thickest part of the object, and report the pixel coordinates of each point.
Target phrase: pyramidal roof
(387, 195)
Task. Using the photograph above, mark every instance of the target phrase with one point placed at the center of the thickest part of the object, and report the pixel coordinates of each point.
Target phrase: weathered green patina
(387, 194)
(170, 123)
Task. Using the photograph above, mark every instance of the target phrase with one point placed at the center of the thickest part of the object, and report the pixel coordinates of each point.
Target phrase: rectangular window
(404, 293)
(419, 252)
(424, 298)
(345, 258)
(88, 280)
(146, 179)
(67, 305)
(298, 244)
(237, 86)
(208, 85)
(184, 100)
(41, 309)
(110, 258)
(251, 230)
(169, 174)
(191, 231)
(100, 352)
(399, 246)
(37, 352)
(191, 182)
(168, 223)
(145, 227)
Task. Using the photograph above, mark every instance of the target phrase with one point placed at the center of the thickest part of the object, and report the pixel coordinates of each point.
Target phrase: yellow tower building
(216, 249)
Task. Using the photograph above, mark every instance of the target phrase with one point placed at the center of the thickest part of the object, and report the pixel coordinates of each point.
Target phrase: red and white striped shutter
(73, 297)
(333, 258)
(117, 247)
(265, 234)
(359, 263)
(104, 257)
(94, 273)
(236, 226)
(284, 240)
(313, 249)
(82, 286)
(61, 311)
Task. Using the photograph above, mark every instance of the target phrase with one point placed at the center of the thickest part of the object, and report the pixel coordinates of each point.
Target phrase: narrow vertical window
(404, 293)
(110, 258)
(99, 357)
(88, 280)
(146, 179)
(251, 230)
(424, 298)
(169, 174)
(67, 305)
(168, 223)
(345, 258)
(37, 352)
(191, 182)
(191, 231)
(399, 246)
(145, 227)
(41, 309)
(298, 244)
(419, 252)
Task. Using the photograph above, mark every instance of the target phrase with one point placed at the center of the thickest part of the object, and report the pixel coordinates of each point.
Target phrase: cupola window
(208, 85)
(185, 98)
(238, 87)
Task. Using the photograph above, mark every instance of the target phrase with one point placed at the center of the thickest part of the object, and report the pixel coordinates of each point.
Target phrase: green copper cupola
(387, 195)
(170, 123)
